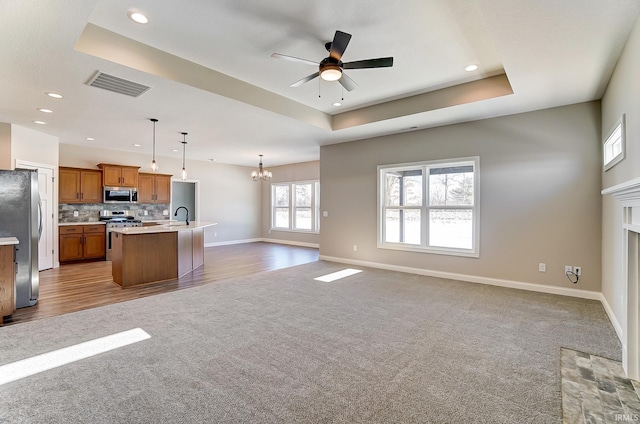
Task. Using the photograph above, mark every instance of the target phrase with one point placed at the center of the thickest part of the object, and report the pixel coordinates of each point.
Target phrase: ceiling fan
(331, 68)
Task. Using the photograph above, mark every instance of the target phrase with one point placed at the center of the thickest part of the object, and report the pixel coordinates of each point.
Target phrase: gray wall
(622, 96)
(540, 195)
(304, 171)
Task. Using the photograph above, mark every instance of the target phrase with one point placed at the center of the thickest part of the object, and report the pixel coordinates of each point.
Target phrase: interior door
(45, 188)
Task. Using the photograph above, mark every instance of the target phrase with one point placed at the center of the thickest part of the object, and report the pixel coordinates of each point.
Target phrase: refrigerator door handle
(39, 217)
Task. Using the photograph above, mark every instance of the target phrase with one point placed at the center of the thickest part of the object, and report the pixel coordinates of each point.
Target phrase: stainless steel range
(117, 219)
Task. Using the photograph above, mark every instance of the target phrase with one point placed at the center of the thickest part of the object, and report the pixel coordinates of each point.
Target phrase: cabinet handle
(82, 196)
(77, 196)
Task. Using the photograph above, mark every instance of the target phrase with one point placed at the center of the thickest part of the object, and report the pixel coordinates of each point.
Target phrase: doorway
(45, 188)
(184, 193)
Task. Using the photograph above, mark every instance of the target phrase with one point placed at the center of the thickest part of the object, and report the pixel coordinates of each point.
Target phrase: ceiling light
(90, 138)
(175, 150)
(138, 17)
(45, 110)
(154, 164)
(183, 173)
(212, 160)
(261, 174)
(337, 104)
(136, 145)
(331, 72)
(471, 68)
(54, 95)
(40, 122)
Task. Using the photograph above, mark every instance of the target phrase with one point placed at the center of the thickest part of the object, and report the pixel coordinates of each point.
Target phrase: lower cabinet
(80, 242)
(7, 281)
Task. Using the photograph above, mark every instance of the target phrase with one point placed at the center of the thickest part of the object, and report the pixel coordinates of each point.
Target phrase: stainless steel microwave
(120, 195)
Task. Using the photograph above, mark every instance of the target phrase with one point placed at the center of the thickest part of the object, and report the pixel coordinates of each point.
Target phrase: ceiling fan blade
(383, 62)
(339, 44)
(347, 82)
(305, 79)
(294, 59)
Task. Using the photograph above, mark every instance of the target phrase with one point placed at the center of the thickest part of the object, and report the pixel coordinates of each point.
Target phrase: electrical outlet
(568, 268)
(75, 214)
(215, 234)
(355, 247)
(542, 267)
(577, 270)
(325, 214)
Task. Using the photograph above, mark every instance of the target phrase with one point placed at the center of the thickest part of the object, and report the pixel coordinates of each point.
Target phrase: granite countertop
(62, 224)
(172, 226)
(4, 241)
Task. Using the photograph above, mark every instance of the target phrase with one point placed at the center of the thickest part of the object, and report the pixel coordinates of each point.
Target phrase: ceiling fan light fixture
(331, 73)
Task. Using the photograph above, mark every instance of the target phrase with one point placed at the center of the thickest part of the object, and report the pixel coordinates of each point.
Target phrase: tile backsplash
(91, 212)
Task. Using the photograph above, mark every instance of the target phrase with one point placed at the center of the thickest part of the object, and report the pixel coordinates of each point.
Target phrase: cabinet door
(71, 247)
(7, 280)
(69, 186)
(129, 177)
(163, 189)
(91, 184)
(146, 188)
(111, 175)
(94, 245)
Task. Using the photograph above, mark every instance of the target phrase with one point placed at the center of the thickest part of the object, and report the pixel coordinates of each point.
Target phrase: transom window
(294, 206)
(430, 206)
(614, 145)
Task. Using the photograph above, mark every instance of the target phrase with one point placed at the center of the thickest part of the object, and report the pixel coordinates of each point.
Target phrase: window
(614, 146)
(295, 206)
(430, 207)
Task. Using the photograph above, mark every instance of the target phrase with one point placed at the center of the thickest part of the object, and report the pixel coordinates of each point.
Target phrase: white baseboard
(227, 243)
(292, 243)
(266, 240)
(615, 323)
(564, 291)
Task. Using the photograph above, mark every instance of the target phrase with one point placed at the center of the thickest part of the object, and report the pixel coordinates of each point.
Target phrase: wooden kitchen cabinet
(154, 188)
(119, 175)
(80, 242)
(77, 185)
(7, 280)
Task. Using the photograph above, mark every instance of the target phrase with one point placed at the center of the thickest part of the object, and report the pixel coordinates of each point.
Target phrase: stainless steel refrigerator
(20, 217)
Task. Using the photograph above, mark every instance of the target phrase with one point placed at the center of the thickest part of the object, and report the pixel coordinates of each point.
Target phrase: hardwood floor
(82, 286)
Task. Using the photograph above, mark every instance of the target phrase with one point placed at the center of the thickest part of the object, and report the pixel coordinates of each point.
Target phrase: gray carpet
(279, 347)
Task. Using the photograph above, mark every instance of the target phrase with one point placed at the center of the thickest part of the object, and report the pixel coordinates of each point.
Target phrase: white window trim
(474, 252)
(315, 207)
(621, 123)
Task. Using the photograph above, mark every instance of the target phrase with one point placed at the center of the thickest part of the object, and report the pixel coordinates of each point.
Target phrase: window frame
(315, 206)
(609, 140)
(425, 207)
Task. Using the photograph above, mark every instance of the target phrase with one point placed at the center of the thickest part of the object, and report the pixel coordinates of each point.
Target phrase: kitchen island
(155, 253)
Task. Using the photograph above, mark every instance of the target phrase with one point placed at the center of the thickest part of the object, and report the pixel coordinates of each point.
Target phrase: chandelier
(261, 174)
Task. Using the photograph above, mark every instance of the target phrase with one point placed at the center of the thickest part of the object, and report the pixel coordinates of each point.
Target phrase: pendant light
(261, 174)
(183, 173)
(154, 164)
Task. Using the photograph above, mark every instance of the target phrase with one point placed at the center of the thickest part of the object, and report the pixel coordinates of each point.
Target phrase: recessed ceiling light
(174, 150)
(212, 160)
(90, 138)
(136, 145)
(337, 104)
(54, 95)
(138, 17)
(471, 68)
(45, 110)
(40, 122)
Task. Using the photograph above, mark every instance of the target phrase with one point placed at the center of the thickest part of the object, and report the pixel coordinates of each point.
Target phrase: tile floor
(595, 390)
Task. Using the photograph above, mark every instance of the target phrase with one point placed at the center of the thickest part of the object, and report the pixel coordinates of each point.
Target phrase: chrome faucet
(186, 218)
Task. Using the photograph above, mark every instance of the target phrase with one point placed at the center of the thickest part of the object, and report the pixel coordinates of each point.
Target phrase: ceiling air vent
(117, 85)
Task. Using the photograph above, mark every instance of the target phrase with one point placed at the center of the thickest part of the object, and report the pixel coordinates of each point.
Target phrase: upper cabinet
(78, 185)
(119, 175)
(154, 188)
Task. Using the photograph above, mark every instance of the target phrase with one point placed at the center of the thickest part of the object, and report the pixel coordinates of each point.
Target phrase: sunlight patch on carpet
(337, 275)
(46, 361)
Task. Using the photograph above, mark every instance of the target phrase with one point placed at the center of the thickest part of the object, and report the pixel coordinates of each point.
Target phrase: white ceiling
(209, 68)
